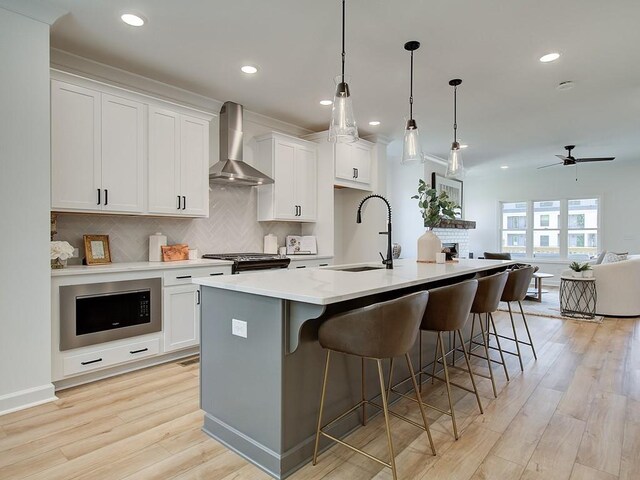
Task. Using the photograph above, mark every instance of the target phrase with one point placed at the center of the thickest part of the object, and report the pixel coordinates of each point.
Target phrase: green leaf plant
(434, 206)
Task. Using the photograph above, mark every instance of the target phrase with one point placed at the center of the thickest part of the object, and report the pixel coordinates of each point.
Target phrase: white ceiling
(509, 110)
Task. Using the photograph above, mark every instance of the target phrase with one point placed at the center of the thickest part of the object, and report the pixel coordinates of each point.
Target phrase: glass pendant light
(411, 148)
(455, 168)
(343, 128)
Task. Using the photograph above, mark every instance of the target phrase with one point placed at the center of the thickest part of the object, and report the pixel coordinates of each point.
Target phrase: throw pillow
(611, 257)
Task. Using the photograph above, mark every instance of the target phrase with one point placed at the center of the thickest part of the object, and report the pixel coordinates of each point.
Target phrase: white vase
(428, 246)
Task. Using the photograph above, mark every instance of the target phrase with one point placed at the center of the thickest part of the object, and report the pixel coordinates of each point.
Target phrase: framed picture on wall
(96, 249)
(453, 188)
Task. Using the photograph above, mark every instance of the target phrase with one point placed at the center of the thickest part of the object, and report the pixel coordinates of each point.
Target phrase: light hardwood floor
(572, 415)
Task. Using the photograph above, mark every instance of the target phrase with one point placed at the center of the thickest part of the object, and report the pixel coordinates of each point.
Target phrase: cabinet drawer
(86, 362)
(181, 276)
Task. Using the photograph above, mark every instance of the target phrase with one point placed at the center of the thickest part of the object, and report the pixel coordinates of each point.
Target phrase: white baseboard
(12, 402)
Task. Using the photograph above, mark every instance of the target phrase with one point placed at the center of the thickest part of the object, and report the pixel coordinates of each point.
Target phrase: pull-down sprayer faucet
(389, 260)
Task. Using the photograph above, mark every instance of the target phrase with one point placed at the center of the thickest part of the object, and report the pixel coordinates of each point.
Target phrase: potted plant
(434, 207)
(580, 270)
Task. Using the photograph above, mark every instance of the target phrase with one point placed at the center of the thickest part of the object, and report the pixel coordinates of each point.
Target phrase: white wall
(402, 185)
(25, 318)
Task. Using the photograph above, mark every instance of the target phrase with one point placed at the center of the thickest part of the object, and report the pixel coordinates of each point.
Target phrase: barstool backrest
(489, 293)
(517, 284)
(383, 330)
(449, 307)
(497, 256)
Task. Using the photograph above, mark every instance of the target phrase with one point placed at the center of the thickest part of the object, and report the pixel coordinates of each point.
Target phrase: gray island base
(260, 392)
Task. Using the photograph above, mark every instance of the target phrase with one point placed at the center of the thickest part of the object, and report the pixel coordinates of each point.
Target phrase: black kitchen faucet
(389, 260)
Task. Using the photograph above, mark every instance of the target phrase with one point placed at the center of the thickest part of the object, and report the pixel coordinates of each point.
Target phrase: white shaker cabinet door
(194, 166)
(361, 161)
(122, 155)
(181, 317)
(284, 187)
(345, 168)
(75, 148)
(306, 183)
(164, 162)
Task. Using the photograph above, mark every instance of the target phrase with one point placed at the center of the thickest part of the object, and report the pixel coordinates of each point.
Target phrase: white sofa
(618, 287)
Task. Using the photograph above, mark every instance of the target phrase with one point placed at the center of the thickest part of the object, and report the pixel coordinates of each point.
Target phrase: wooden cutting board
(172, 253)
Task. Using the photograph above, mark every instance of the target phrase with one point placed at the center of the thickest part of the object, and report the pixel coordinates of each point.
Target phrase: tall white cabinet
(117, 151)
(292, 163)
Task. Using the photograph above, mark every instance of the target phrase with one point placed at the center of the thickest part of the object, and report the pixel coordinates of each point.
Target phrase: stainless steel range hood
(231, 170)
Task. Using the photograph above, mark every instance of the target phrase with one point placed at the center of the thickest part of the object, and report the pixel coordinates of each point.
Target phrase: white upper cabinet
(120, 152)
(122, 155)
(194, 166)
(178, 164)
(97, 151)
(292, 163)
(353, 164)
(75, 148)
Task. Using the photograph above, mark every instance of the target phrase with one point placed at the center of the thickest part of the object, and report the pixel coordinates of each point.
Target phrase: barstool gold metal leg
(385, 410)
(415, 389)
(364, 398)
(515, 337)
(420, 360)
(435, 361)
(324, 389)
(526, 326)
(390, 378)
(495, 333)
(446, 376)
(473, 380)
(485, 339)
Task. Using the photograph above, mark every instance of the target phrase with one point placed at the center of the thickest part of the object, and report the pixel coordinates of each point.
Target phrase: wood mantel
(456, 223)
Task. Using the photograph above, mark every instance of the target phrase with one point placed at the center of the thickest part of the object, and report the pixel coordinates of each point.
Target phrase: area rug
(549, 307)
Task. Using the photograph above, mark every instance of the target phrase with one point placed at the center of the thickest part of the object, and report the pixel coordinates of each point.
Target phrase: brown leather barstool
(514, 291)
(447, 311)
(486, 302)
(376, 332)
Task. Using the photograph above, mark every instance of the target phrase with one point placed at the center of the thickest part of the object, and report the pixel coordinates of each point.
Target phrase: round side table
(578, 297)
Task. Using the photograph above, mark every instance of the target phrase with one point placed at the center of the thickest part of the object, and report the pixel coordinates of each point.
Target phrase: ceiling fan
(571, 160)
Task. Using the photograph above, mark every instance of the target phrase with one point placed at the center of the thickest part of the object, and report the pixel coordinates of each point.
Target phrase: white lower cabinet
(181, 317)
(101, 358)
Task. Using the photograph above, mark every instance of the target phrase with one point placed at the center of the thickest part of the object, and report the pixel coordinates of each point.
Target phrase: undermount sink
(365, 268)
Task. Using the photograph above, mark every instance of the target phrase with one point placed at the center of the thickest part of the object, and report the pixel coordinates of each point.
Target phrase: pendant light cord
(455, 113)
(343, 22)
(411, 90)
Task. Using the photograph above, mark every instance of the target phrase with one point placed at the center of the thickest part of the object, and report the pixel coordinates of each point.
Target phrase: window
(551, 229)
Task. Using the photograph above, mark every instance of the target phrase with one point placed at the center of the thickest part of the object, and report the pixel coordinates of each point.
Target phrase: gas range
(248, 262)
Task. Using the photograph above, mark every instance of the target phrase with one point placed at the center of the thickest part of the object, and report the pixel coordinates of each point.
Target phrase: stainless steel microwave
(102, 312)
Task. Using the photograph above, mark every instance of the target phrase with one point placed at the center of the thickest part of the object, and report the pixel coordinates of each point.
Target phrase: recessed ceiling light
(549, 57)
(374, 123)
(504, 167)
(131, 19)
(464, 145)
(326, 102)
(249, 69)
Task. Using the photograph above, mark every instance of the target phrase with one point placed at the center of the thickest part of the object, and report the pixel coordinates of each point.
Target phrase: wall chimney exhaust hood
(231, 170)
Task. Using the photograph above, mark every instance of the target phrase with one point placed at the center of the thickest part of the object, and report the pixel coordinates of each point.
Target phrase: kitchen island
(261, 363)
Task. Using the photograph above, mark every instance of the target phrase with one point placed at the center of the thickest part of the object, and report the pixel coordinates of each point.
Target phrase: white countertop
(308, 257)
(135, 266)
(322, 286)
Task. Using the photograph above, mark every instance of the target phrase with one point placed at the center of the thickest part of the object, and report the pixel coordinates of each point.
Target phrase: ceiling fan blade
(562, 157)
(601, 159)
(552, 165)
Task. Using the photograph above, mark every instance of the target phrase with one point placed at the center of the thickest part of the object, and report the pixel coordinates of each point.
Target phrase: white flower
(61, 250)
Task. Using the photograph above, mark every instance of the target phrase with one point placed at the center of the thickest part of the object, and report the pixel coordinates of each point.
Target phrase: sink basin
(357, 269)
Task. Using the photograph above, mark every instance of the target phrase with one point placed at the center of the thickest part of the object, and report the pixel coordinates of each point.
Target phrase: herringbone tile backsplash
(231, 227)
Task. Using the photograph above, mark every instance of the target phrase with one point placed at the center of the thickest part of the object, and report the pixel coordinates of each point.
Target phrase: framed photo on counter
(452, 186)
(96, 249)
